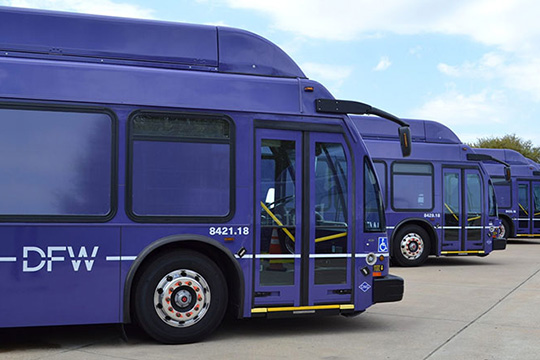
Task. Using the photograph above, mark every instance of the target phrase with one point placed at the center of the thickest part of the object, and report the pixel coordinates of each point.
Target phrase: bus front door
(463, 211)
(529, 208)
(524, 209)
(303, 189)
(536, 206)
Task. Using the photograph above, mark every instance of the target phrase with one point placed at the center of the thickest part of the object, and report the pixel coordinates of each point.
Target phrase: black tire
(506, 229)
(411, 246)
(186, 285)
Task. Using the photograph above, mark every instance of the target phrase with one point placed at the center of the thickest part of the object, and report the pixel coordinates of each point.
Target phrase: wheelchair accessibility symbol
(383, 245)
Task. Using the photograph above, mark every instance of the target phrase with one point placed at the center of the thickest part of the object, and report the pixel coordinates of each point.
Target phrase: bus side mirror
(405, 140)
(507, 173)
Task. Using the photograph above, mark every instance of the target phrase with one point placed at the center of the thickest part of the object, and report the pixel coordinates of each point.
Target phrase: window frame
(393, 173)
(113, 198)
(131, 137)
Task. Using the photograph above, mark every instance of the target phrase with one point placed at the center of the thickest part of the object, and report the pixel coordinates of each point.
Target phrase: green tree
(512, 142)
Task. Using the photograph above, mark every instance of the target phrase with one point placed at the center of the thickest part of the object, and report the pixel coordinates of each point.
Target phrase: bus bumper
(387, 289)
(499, 244)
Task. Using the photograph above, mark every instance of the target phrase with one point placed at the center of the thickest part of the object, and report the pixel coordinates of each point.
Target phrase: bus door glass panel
(278, 203)
(330, 255)
(536, 206)
(474, 193)
(452, 209)
(524, 208)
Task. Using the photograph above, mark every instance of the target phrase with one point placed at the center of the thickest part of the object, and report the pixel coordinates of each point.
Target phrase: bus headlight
(371, 259)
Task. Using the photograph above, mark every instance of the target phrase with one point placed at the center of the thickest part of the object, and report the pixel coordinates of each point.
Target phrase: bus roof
(511, 157)
(519, 164)
(421, 130)
(91, 38)
(534, 163)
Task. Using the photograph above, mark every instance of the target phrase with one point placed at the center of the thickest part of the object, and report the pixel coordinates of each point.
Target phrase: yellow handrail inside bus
(291, 236)
(453, 214)
(285, 230)
(331, 237)
(522, 208)
(474, 218)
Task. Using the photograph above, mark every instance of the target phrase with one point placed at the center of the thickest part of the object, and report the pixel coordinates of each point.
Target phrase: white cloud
(512, 25)
(97, 7)
(454, 108)
(522, 73)
(416, 51)
(485, 113)
(383, 64)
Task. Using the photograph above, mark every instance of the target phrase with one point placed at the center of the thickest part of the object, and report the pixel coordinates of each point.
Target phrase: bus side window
(181, 166)
(55, 163)
(412, 186)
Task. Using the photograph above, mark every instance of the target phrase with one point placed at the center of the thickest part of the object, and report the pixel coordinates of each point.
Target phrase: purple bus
(519, 197)
(440, 200)
(164, 174)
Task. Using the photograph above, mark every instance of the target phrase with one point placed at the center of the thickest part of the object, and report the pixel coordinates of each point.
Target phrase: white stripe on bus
(120, 258)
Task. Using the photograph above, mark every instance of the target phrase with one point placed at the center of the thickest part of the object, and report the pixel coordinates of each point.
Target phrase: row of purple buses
(440, 200)
(519, 197)
(164, 174)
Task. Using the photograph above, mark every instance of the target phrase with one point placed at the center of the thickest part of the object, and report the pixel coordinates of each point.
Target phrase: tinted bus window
(180, 166)
(380, 170)
(523, 199)
(373, 207)
(503, 189)
(536, 197)
(332, 209)
(331, 182)
(412, 186)
(55, 163)
(492, 201)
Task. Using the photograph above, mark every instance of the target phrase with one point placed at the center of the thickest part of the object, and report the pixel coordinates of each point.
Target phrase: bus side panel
(59, 275)
(138, 240)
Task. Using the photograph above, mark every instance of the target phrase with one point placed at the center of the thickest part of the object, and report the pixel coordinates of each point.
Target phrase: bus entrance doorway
(303, 238)
(463, 204)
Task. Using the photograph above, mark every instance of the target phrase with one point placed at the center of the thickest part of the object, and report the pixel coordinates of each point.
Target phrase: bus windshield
(374, 219)
(493, 211)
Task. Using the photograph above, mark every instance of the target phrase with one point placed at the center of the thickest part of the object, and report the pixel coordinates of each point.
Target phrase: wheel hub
(412, 246)
(182, 298)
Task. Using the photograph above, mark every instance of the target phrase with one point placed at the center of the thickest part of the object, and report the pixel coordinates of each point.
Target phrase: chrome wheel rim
(502, 231)
(182, 298)
(412, 246)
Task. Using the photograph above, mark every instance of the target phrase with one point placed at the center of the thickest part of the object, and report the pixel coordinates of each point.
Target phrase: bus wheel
(411, 246)
(505, 229)
(180, 297)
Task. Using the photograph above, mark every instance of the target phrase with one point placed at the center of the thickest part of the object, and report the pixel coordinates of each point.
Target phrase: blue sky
(473, 65)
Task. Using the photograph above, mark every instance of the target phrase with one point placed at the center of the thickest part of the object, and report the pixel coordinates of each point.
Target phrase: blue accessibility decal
(383, 245)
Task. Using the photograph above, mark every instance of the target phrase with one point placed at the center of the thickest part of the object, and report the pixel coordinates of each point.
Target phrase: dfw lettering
(35, 258)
